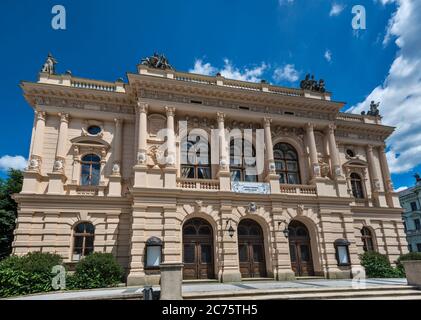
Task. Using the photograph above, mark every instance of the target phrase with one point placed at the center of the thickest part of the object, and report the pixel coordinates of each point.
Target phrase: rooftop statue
(374, 110)
(49, 65)
(157, 61)
(310, 84)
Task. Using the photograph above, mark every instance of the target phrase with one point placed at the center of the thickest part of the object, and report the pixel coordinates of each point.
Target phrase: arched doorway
(300, 249)
(251, 249)
(198, 250)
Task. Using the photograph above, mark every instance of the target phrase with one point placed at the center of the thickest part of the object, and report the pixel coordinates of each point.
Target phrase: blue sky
(276, 40)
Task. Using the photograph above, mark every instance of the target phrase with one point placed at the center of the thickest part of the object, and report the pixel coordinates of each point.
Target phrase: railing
(86, 191)
(350, 117)
(199, 184)
(196, 79)
(93, 85)
(297, 189)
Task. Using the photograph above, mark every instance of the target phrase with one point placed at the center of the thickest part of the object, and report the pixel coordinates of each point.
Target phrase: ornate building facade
(95, 181)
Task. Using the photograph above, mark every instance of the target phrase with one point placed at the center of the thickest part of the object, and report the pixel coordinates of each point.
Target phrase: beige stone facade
(128, 196)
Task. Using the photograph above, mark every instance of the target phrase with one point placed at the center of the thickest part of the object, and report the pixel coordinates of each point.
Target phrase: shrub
(27, 274)
(406, 257)
(377, 265)
(97, 270)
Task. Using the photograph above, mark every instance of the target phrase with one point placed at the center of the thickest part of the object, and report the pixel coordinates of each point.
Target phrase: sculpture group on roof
(49, 65)
(313, 85)
(374, 110)
(157, 61)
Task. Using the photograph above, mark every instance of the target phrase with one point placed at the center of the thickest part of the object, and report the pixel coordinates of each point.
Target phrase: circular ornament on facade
(94, 130)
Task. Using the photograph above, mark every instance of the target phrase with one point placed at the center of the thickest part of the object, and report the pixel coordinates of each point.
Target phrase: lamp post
(230, 229)
(286, 230)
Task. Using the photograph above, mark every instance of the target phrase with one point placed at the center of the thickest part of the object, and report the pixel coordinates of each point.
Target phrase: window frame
(366, 237)
(356, 181)
(285, 171)
(242, 167)
(90, 164)
(84, 236)
(196, 166)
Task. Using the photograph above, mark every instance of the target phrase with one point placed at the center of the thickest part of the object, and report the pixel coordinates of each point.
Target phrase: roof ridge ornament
(156, 61)
(313, 85)
(49, 65)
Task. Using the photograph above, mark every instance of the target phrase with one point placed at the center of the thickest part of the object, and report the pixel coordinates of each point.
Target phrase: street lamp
(286, 229)
(231, 230)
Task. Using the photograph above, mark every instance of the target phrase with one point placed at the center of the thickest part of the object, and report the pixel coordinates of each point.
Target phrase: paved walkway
(206, 287)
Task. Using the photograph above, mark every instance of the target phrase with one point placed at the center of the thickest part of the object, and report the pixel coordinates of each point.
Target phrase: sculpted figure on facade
(49, 65)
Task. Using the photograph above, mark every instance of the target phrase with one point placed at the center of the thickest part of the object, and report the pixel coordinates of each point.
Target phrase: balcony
(298, 189)
(198, 184)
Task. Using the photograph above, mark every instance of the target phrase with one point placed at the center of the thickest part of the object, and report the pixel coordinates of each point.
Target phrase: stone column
(375, 184)
(38, 144)
(269, 146)
(32, 175)
(333, 150)
(315, 168)
(141, 112)
(140, 174)
(271, 176)
(224, 171)
(61, 143)
(388, 185)
(114, 189)
(170, 136)
(57, 177)
(170, 171)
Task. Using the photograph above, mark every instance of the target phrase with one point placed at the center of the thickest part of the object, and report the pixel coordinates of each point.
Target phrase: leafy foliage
(97, 270)
(377, 265)
(8, 210)
(27, 274)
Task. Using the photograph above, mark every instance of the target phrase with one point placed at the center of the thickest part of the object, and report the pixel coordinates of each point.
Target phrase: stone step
(313, 293)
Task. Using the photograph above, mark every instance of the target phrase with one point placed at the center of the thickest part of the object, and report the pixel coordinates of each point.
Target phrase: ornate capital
(220, 116)
(41, 115)
(370, 148)
(170, 111)
(142, 107)
(331, 128)
(64, 117)
(118, 122)
(267, 121)
(309, 126)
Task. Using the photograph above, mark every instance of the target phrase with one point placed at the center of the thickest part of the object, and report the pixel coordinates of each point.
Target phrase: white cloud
(285, 2)
(12, 162)
(336, 9)
(203, 68)
(328, 55)
(400, 189)
(400, 93)
(287, 73)
(230, 71)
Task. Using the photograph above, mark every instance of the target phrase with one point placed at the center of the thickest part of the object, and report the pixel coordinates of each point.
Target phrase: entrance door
(251, 249)
(197, 250)
(300, 249)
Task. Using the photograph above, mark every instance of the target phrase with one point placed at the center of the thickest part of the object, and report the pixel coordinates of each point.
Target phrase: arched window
(91, 167)
(195, 160)
(357, 186)
(286, 162)
(84, 234)
(242, 165)
(367, 239)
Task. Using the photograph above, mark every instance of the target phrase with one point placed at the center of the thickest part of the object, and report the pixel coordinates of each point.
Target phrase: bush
(406, 257)
(377, 265)
(97, 270)
(27, 274)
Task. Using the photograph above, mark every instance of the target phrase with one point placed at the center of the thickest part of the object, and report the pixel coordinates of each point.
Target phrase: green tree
(8, 210)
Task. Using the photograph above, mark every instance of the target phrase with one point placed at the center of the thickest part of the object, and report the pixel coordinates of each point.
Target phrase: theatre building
(96, 182)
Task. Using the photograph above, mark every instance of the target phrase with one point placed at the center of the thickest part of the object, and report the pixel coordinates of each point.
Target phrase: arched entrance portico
(300, 249)
(251, 249)
(198, 250)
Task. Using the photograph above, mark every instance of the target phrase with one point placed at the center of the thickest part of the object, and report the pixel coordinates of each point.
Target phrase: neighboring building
(96, 180)
(410, 200)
